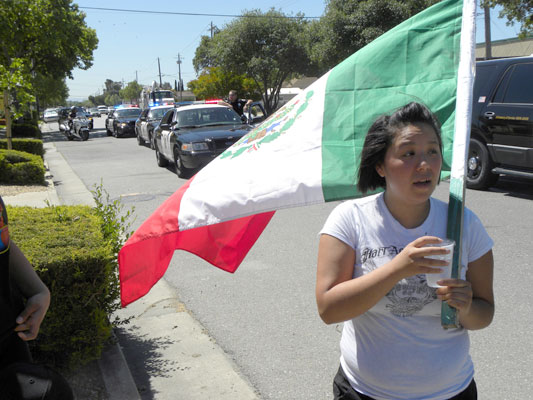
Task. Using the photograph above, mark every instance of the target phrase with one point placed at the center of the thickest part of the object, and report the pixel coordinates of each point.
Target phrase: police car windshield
(129, 112)
(208, 116)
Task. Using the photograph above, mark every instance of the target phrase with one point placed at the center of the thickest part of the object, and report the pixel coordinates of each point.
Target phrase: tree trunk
(8, 120)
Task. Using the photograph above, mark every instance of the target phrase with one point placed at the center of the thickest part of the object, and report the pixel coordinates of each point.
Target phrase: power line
(194, 14)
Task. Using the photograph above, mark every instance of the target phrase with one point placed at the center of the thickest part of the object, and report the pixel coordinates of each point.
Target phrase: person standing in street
(373, 255)
(239, 105)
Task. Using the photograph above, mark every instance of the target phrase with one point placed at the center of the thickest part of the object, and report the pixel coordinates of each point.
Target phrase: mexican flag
(306, 153)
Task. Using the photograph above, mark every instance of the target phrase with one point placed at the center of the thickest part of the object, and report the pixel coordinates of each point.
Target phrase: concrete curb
(116, 374)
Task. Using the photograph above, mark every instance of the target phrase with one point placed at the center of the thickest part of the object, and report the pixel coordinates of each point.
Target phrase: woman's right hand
(413, 259)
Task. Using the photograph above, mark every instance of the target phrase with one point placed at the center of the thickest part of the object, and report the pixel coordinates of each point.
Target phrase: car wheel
(140, 140)
(479, 167)
(84, 135)
(115, 133)
(181, 171)
(161, 161)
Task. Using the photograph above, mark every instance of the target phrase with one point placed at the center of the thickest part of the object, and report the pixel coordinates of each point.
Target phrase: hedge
(26, 130)
(32, 146)
(66, 246)
(21, 168)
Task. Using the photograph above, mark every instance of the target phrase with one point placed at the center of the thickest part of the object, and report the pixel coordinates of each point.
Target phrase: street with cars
(264, 316)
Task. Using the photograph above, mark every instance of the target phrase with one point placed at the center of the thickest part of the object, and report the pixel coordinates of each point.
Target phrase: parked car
(502, 122)
(121, 122)
(191, 136)
(102, 109)
(95, 112)
(50, 115)
(146, 123)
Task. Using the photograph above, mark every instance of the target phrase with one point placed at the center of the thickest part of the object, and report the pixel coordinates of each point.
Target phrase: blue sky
(131, 43)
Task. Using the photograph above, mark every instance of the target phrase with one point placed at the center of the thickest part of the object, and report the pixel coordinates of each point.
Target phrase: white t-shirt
(398, 349)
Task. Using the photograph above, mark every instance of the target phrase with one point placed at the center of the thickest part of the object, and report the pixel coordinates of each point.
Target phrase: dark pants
(14, 350)
(342, 390)
(20, 379)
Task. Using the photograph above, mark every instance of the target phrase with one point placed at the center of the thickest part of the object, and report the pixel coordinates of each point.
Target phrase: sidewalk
(163, 353)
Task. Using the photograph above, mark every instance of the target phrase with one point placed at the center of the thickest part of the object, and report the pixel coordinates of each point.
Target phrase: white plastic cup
(446, 273)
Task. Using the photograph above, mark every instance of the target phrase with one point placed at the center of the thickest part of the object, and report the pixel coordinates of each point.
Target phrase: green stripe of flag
(415, 61)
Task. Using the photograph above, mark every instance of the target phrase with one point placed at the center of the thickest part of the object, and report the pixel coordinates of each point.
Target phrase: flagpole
(463, 116)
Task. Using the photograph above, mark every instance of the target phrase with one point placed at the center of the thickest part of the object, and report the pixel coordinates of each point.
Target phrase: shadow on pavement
(515, 187)
(145, 359)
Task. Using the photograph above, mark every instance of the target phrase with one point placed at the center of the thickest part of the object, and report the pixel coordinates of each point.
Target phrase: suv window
(502, 87)
(483, 76)
(520, 87)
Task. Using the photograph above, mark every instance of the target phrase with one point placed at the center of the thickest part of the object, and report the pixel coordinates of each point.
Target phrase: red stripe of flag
(144, 258)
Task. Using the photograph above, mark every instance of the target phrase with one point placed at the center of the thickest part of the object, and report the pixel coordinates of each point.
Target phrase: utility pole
(159, 66)
(180, 82)
(488, 46)
(212, 29)
(136, 77)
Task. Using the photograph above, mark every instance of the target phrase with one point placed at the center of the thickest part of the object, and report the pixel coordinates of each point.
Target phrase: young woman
(372, 260)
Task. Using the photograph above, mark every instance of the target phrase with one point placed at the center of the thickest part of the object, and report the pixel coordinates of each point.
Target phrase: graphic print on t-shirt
(4, 231)
(409, 296)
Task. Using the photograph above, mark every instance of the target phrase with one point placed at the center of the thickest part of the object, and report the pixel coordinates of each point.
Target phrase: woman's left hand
(457, 293)
(30, 319)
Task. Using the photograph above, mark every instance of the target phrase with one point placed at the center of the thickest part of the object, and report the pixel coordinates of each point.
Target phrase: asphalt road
(264, 316)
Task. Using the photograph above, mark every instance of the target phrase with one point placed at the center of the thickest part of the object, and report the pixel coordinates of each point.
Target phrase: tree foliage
(131, 92)
(214, 82)
(15, 80)
(520, 11)
(112, 87)
(50, 35)
(113, 99)
(42, 39)
(349, 25)
(97, 100)
(267, 47)
(50, 91)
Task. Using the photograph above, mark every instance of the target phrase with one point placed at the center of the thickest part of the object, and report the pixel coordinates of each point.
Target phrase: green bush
(32, 146)
(67, 248)
(26, 130)
(20, 168)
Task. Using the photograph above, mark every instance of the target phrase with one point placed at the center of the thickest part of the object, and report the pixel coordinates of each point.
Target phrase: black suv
(502, 122)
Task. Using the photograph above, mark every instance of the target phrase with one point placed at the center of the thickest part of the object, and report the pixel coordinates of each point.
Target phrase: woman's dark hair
(380, 137)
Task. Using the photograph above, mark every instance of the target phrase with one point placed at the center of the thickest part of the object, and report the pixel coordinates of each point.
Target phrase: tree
(51, 35)
(515, 11)
(113, 99)
(267, 47)
(42, 37)
(349, 25)
(131, 92)
(215, 83)
(49, 91)
(204, 55)
(112, 87)
(97, 100)
(14, 80)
